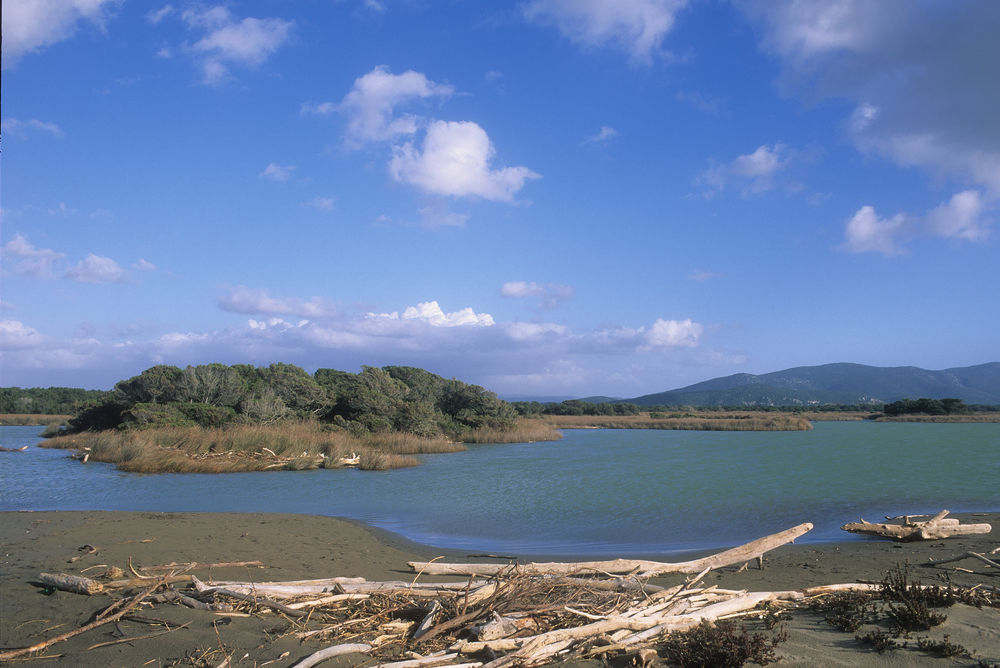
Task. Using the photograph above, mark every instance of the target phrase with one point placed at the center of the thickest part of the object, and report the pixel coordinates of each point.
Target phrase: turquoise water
(597, 492)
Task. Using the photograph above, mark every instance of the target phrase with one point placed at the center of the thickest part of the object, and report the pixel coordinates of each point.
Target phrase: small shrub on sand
(721, 645)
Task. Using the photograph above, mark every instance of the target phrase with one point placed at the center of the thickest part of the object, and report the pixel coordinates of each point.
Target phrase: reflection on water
(594, 492)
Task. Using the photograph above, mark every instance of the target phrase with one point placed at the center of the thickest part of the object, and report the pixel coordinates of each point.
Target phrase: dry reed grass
(31, 419)
(748, 421)
(289, 446)
(527, 430)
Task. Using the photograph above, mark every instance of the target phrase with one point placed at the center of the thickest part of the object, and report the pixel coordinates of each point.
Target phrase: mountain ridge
(836, 383)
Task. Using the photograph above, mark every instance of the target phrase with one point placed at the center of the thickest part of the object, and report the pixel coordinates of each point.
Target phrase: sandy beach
(304, 547)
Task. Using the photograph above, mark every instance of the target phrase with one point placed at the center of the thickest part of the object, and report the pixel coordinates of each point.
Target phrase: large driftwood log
(736, 555)
(936, 528)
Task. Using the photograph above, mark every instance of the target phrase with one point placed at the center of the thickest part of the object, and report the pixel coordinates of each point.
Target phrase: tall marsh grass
(706, 422)
(31, 419)
(288, 446)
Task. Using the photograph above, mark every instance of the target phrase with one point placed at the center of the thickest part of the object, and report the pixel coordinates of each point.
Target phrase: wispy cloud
(548, 295)
(753, 173)
(96, 269)
(28, 260)
(278, 173)
(605, 134)
(14, 126)
(637, 27)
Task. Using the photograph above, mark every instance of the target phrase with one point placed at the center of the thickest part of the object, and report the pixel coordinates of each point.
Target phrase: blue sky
(545, 197)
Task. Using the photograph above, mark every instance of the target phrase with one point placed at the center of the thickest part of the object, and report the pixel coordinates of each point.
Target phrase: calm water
(595, 492)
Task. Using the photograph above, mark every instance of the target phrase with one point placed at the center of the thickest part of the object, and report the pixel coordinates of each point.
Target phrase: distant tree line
(392, 398)
(45, 400)
(574, 407)
(926, 407)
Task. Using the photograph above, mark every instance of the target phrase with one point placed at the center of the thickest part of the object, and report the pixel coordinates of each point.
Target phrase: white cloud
(549, 295)
(229, 41)
(432, 314)
(921, 76)
(276, 172)
(32, 25)
(455, 161)
(242, 299)
(606, 133)
(143, 265)
(866, 232)
(13, 126)
(15, 334)
(672, 333)
(961, 217)
(28, 260)
(753, 173)
(96, 269)
(635, 26)
(371, 103)
(701, 275)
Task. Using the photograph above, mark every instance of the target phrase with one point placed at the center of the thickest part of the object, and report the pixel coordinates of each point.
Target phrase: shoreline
(296, 547)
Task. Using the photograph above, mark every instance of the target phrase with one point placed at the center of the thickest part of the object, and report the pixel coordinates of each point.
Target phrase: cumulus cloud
(28, 260)
(371, 103)
(278, 173)
(921, 76)
(455, 160)
(13, 126)
(242, 299)
(866, 232)
(549, 295)
(637, 27)
(96, 269)
(227, 40)
(963, 217)
(432, 314)
(753, 173)
(673, 333)
(321, 203)
(31, 26)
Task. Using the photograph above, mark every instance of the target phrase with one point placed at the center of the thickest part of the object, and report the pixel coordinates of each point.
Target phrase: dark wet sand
(304, 547)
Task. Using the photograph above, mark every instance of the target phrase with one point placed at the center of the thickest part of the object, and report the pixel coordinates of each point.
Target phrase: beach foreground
(295, 547)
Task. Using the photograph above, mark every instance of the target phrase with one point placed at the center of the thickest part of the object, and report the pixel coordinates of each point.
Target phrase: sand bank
(300, 547)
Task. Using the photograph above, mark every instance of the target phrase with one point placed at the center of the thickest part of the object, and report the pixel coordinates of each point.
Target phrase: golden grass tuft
(31, 419)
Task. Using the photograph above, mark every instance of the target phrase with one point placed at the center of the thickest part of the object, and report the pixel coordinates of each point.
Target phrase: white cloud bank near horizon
(502, 355)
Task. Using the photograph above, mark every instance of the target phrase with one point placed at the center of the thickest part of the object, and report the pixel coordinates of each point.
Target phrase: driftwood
(736, 555)
(75, 584)
(21, 449)
(936, 528)
(102, 619)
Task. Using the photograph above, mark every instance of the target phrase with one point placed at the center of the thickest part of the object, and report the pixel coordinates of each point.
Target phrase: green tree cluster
(392, 398)
(45, 400)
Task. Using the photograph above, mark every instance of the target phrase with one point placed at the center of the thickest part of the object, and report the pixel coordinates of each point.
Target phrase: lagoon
(596, 492)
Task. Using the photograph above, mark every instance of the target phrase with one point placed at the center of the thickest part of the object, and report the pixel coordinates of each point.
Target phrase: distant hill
(841, 383)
